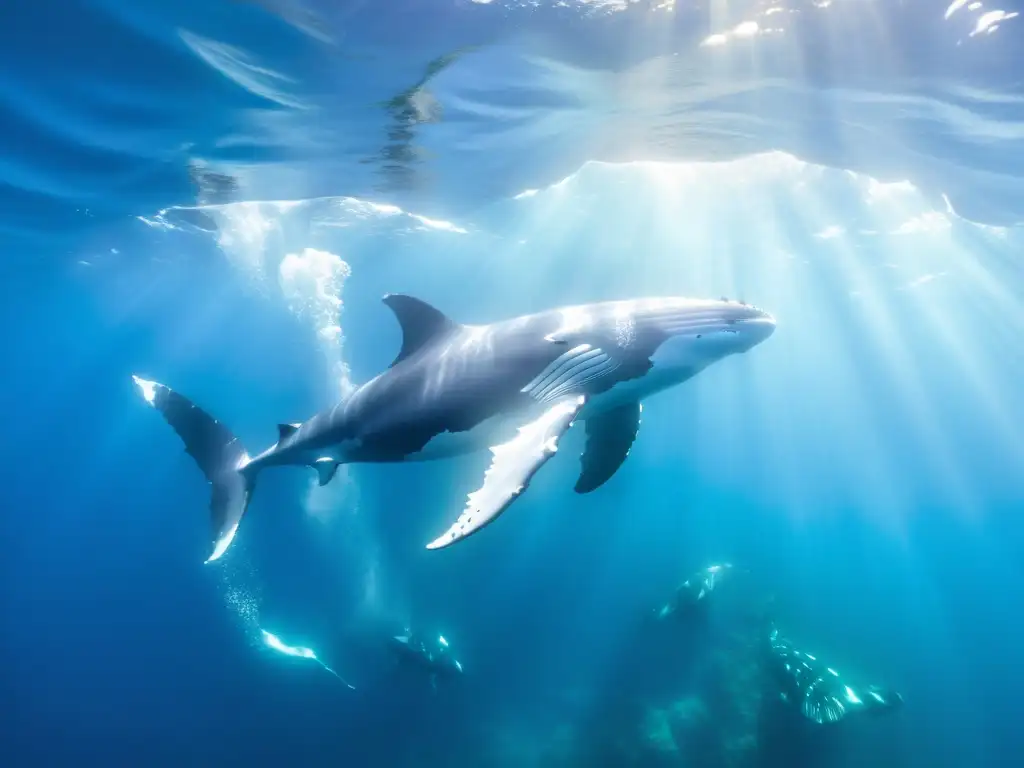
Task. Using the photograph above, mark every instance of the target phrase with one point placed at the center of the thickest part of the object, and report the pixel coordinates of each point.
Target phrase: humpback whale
(694, 593)
(434, 657)
(515, 386)
(817, 690)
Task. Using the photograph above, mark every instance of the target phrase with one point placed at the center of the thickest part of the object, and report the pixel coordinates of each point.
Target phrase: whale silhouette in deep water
(432, 656)
(515, 386)
(694, 593)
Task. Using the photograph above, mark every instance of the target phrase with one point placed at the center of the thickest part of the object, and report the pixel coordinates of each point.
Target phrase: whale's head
(691, 334)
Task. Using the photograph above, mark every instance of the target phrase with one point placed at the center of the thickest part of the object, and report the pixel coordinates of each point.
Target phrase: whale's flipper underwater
(514, 463)
(817, 690)
(609, 439)
(514, 386)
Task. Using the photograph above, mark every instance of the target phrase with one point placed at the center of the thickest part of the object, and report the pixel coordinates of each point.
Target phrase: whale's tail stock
(217, 452)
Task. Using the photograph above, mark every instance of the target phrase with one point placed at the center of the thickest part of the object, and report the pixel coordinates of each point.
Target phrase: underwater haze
(216, 195)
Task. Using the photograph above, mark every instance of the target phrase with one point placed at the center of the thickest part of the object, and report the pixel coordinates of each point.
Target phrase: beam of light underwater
(275, 643)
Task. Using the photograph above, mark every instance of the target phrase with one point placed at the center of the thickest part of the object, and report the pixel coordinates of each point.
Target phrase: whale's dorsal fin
(284, 431)
(420, 323)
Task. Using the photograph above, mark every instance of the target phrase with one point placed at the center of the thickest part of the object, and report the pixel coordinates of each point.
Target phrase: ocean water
(216, 195)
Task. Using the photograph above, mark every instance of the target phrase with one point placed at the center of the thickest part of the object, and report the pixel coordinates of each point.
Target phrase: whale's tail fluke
(219, 455)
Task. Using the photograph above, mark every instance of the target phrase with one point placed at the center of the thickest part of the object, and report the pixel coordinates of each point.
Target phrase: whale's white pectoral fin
(512, 467)
(822, 706)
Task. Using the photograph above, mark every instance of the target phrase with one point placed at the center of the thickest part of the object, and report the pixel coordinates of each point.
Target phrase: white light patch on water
(988, 22)
(745, 29)
(295, 13)
(955, 6)
(925, 279)
(879, 190)
(240, 67)
(930, 221)
(829, 233)
(900, 198)
(387, 210)
(158, 222)
(439, 224)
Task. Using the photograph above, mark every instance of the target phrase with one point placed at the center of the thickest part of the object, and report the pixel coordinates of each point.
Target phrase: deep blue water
(858, 173)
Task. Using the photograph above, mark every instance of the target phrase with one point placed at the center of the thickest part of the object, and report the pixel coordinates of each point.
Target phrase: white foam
(299, 244)
(312, 283)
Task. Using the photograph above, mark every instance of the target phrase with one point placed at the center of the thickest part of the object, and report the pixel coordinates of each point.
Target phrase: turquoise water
(217, 195)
